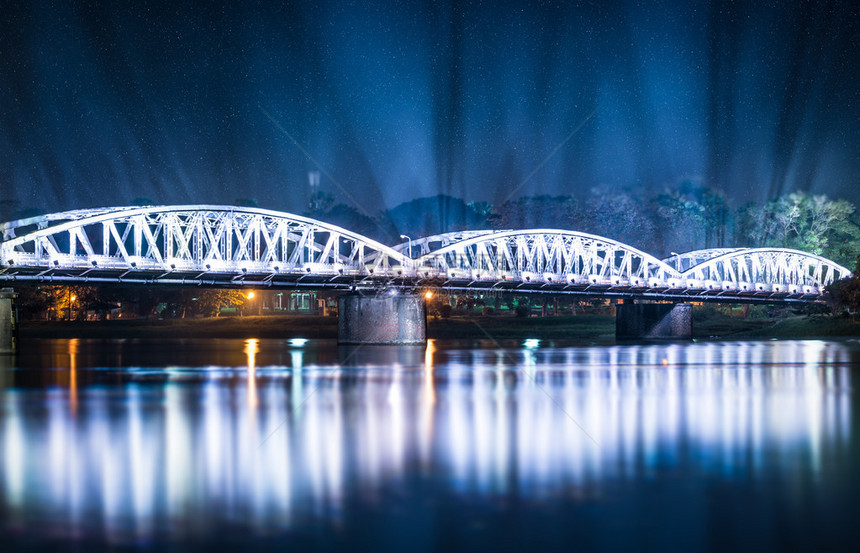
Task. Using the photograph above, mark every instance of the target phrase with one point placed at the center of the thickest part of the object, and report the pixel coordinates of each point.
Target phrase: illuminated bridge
(226, 246)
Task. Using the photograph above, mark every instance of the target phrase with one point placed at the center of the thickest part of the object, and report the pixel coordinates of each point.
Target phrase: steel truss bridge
(224, 246)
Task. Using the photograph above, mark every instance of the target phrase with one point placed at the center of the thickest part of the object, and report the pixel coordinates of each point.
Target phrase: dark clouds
(101, 103)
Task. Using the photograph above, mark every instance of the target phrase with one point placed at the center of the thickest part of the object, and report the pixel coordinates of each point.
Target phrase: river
(472, 445)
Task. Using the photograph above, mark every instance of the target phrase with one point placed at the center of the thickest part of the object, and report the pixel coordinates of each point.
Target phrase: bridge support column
(654, 320)
(8, 322)
(395, 320)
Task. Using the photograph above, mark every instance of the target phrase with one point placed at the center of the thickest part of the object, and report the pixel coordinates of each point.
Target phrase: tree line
(688, 217)
(59, 302)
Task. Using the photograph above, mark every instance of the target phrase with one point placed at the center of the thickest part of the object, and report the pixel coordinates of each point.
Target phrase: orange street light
(428, 294)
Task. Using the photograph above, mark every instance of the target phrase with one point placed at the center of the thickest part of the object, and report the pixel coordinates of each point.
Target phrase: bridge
(242, 247)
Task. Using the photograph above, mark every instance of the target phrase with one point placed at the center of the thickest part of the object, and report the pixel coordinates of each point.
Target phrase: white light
(298, 342)
(532, 343)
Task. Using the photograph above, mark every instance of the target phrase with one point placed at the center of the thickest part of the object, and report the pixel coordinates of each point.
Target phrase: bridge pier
(653, 320)
(386, 319)
(8, 322)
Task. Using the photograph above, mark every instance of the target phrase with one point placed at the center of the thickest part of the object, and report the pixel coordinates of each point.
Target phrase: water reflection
(278, 445)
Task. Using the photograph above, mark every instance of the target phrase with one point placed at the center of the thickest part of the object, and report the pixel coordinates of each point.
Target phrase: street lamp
(404, 237)
(259, 304)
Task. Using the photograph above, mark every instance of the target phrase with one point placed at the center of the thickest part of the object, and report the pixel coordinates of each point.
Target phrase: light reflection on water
(135, 453)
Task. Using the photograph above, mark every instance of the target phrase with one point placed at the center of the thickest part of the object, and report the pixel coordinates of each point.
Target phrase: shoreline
(589, 328)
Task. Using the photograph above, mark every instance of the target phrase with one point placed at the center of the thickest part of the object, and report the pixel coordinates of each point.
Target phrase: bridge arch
(541, 256)
(193, 238)
(778, 270)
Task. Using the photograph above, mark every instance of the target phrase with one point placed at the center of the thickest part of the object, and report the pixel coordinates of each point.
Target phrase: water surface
(232, 444)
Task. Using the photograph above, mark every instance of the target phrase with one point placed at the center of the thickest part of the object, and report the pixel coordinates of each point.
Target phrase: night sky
(101, 103)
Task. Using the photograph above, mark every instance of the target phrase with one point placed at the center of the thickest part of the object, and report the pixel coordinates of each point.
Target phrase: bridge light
(250, 295)
(428, 295)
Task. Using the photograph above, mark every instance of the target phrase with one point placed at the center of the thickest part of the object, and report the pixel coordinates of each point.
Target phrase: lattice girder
(195, 238)
(543, 255)
(766, 269)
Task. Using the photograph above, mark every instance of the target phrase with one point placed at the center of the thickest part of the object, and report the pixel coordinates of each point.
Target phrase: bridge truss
(248, 247)
(210, 245)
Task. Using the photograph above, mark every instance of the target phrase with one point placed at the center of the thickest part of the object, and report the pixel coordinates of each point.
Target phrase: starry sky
(103, 102)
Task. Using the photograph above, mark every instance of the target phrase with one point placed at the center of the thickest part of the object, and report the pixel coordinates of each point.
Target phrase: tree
(209, 301)
(319, 203)
(350, 218)
(184, 302)
(536, 212)
(34, 301)
(246, 202)
(693, 216)
(844, 294)
(619, 215)
(59, 301)
(813, 224)
(433, 215)
(482, 210)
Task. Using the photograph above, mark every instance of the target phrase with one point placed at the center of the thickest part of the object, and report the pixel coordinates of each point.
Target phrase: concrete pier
(384, 319)
(654, 320)
(8, 322)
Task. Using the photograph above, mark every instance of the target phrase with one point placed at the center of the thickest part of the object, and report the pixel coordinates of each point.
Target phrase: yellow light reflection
(73, 374)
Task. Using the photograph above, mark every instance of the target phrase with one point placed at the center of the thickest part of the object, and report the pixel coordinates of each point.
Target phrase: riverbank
(591, 328)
